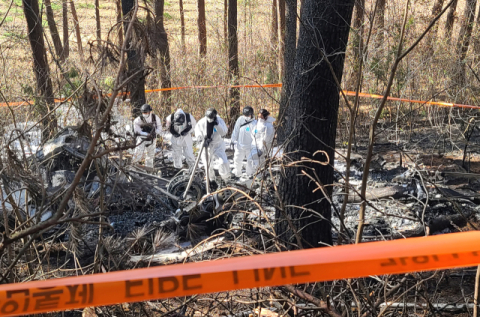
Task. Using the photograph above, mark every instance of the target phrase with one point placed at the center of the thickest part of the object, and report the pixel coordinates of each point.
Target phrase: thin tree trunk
(40, 66)
(312, 120)
(97, 20)
(450, 21)
(119, 22)
(357, 41)
(202, 28)
(77, 30)
(182, 25)
(164, 51)
(380, 24)
(66, 33)
(289, 63)
(281, 43)
(476, 38)
(57, 42)
(135, 64)
(274, 29)
(225, 21)
(432, 35)
(465, 36)
(233, 62)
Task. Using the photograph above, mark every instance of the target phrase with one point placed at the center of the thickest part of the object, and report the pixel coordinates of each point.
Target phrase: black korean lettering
(235, 277)
(86, 293)
(167, 284)
(293, 273)
(9, 307)
(256, 275)
(283, 272)
(150, 286)
(128, 288)
(45, 299)
(268, 273)
(420, 259)
(26, 292)
(188, 285)
(390, 262)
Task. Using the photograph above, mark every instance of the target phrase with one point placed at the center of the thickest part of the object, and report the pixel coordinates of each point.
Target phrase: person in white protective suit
(262, 139)
(146, 128)
(212, 129)
(242, 141)
(181, 125)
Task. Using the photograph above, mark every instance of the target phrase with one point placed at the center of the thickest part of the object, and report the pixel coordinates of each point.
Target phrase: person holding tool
(262, 140)
(181, 125)
(146, 128)
(242, 141)
(210, 130)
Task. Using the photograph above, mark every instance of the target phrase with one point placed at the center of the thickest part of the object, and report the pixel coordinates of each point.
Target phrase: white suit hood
(263, 134)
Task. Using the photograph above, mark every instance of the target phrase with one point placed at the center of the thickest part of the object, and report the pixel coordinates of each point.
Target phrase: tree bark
(97, 20)
(182, 25)
(202, 28)
(450, 21)
(312, 120)
(164, 51)
(66, 43)
(465, 36)
(432, 35)
(57, 42)
(281, 42)
(357, 42)
(380, 24)
(77, 30)
(476, 38)
(40, 66)
(289, 63)
(119, 22)
(274, 29)
(135, 64)
(225, 21)
(233, 62)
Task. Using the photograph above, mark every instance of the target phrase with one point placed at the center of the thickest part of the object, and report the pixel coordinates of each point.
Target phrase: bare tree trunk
(312, 124)
(450, 21)
(57, 43)
(289, 63)
(281, 43)
(233, 62)
(66, 44)
(40, 66)
(77, 30)
(225, 21)
(380, 24)
(202, 28)
(465, 36)
(182, 25)
(274, 30)
(164, 51)
(432, 35)
(119, 22)
(476, 38)
(135, 64)
(357, 41)
(97, 20)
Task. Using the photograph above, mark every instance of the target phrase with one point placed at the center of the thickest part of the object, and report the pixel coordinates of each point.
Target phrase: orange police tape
(351, 261)
(346, 92)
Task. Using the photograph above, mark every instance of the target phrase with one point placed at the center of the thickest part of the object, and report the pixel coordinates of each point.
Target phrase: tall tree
(357, 42)
(450, 21)
(135, 62)
(77, 30)
(57, 43)
(289, 62)
(476, 38)
(233, 62)
(281, 42)
(312, 123)
(97, 21)
(465, 35)
(379, 23)
(40, 66)
(164, 52)
(432, 35)
(66, 44)
(274, 42)
(202, 28)
(119, 22)
(182, 25)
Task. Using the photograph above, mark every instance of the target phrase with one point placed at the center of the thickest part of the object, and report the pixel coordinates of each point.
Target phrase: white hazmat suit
(216, 148)
(182, 143)
(146, 148)
(242, 138)
(262, 140)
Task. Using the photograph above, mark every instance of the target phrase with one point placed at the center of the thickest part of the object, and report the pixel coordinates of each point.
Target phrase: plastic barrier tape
(324, 264)
(346, 92)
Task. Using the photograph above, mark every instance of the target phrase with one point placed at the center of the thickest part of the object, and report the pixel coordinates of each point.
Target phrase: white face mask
(146, 115)
(210, 120)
